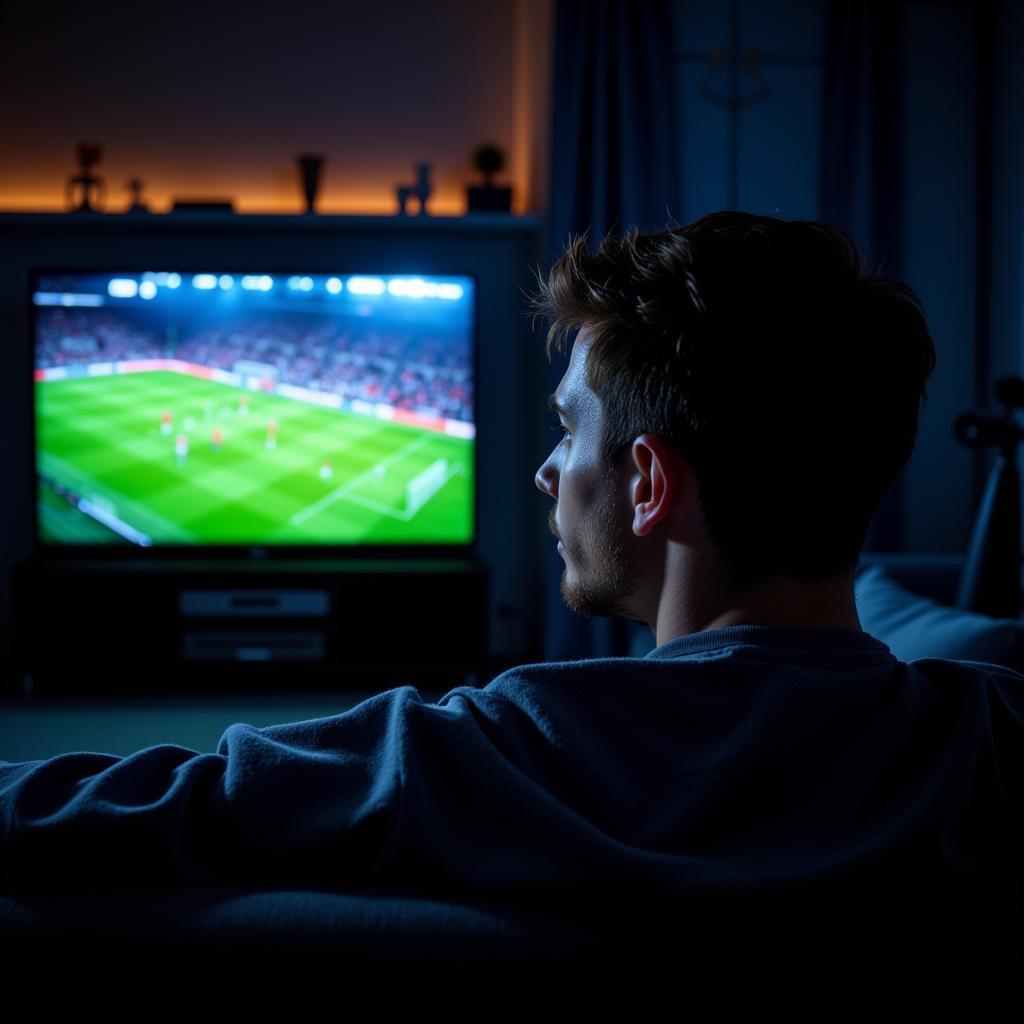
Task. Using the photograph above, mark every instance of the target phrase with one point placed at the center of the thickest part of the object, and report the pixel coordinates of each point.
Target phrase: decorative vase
(310, 167)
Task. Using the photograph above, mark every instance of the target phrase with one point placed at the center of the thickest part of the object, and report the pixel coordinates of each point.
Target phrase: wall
(218, 99)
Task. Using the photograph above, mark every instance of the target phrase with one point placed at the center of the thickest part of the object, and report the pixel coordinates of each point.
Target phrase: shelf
(476, 222)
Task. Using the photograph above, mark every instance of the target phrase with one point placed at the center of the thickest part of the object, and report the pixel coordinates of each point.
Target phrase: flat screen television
(258, 410)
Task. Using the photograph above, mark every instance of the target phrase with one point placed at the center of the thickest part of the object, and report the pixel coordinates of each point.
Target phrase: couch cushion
(918, 627)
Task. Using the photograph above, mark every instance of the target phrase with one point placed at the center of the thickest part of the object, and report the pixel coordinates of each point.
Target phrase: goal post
(422, 487)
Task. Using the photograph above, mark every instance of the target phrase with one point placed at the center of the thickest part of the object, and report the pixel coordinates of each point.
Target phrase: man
(738, 398)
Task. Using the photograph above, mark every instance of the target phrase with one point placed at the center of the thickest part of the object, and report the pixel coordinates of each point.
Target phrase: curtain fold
(613, 166)
(862, 162)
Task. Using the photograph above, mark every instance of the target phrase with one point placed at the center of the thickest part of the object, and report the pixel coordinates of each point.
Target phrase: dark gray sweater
(727, 766)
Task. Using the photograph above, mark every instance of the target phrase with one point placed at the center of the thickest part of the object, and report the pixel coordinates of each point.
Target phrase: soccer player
(325, 470)
(181, 448)
(166, 424)
(243, 406)
(217, 438)
(271, 434)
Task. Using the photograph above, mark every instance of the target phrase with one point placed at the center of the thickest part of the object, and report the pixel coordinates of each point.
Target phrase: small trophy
(85, 189)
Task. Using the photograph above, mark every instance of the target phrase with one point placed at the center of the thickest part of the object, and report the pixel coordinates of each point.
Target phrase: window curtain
(862, 162)
(613, 166)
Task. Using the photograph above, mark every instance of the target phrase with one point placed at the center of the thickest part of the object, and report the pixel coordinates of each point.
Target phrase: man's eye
(559, 429)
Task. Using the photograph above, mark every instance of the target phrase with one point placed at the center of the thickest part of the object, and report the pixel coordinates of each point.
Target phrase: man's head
(743, 366)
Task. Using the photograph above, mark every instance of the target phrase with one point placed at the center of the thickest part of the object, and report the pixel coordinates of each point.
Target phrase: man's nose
(547, 479)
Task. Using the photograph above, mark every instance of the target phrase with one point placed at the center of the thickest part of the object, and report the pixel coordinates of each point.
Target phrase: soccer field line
(388, 510)
(357, 481)
(92, 490)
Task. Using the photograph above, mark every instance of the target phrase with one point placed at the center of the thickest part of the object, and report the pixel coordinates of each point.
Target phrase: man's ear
(655, 482)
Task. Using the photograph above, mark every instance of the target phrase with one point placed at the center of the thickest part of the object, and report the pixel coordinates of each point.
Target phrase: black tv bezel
(268, 553)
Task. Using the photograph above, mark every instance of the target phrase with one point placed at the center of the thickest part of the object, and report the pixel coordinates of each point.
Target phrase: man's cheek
(587, 485)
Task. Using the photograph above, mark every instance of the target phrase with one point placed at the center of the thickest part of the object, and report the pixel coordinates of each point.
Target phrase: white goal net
(422, 487)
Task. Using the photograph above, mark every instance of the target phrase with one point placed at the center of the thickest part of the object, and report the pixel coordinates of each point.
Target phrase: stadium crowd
(425, 372)
(67, 337)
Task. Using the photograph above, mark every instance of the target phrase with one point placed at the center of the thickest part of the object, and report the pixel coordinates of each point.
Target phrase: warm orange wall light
(443, 203)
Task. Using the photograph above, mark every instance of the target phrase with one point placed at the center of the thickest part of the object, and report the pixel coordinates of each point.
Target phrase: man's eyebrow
(561, 409)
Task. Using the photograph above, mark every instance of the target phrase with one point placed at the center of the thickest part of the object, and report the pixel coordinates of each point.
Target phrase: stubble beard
(606, 576)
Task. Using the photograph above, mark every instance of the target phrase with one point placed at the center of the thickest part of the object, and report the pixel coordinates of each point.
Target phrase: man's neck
(827, 605)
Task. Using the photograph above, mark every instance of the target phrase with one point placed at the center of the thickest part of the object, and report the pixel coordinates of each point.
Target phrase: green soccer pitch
(323, 477)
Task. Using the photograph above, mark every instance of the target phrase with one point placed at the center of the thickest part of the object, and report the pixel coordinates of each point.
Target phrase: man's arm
(313, 800)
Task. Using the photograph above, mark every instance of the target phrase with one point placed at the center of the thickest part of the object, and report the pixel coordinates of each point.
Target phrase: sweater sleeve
(306, 801)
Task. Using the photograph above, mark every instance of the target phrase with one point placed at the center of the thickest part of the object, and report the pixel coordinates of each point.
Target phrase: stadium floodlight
(293, 283)
(266, 282)
(334, 285)
(305, 284)
(66, 299)
(366, 285)
(147, 290)
(173, 280)
(410, 287)
(122, 288)
(417, 288)
(204, 281)
(226, 281)
(252, 283)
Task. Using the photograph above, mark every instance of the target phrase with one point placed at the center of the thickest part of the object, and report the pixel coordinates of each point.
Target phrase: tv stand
(86, 627)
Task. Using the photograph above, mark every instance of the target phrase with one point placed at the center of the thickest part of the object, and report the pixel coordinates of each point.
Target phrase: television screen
(254, 409)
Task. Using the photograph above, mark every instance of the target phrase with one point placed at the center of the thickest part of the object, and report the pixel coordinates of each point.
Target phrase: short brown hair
(788, 376)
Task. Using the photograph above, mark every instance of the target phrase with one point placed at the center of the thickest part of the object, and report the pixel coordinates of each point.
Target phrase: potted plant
(489, 159)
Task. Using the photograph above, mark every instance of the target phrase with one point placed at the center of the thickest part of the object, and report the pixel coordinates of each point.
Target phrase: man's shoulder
(577, 683)
(997, 689)
(535, 672)
(514, 683)
(740, 670)
(969, 670)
